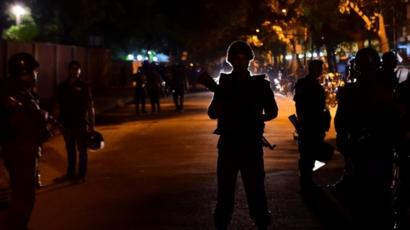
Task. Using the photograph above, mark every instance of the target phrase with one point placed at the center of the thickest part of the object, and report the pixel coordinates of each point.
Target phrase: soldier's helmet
(367, 60)
(21, 64)
(239, 47)
(95, 141)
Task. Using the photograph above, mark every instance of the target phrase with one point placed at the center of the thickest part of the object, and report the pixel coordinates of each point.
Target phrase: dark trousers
(76, 141)
(139, 100)
(238, 156)
(309, 145)
(155, 105)
(372, 193)
(20, 161)
(403, 199)
(178, 100)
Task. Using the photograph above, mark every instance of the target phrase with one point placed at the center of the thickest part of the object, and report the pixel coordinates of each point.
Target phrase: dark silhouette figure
(76, 113)
(367, 131)
(140, 91)
(153, 87)
(403, 92)
(23, 128)
(241, 104)
(178, 85)
(389, 65)
(314, 121)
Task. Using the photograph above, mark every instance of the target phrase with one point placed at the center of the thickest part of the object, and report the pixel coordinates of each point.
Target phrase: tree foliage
(26, 31)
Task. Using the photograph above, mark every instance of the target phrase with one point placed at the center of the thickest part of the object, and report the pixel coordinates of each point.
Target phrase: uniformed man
(403, 92)
(23, 130)
(389, 73)
(314, 118)
(178, 85)
(366, 130)
(140, 91)
(76, 113)
(242, 103)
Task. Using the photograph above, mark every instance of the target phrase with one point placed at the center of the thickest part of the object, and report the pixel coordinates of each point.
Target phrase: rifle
(295, 122)
(50, 122)
(207, 81)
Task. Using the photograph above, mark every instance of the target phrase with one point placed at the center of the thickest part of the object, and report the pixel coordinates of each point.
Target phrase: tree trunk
(384, 41)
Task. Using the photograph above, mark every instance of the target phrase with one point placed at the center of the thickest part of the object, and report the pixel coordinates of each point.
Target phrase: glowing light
(140, 57)
(284, 11)
(155, 59)
(130, 57)
(18, 11)
(257, 30)
(288, 57)
(301, 55)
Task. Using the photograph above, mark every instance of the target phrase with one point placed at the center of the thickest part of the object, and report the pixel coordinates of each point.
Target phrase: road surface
(158, 172)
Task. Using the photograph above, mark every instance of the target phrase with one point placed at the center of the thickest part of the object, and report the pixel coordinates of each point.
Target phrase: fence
(54, 58)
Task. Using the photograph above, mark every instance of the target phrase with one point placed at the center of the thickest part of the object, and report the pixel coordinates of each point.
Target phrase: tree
(373, 14)
(26, 31)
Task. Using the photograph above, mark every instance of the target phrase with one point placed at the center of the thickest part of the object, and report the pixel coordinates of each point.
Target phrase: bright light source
(155, 59)
(257, 30)
(140, 57)
(130, 57)
(284, 11)
(288, 57)
(18, 11)
(149, 52)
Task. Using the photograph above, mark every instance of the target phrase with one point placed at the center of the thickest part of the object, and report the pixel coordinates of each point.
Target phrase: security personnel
(241, 104)
(76, 113)
(403, 92)
(314, 119)
(366, 126)
(140, 91)
(23, 130)
(178, 86)
(388, 69)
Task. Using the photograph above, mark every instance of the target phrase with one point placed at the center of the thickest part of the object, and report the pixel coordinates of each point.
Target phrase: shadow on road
(115, 117)
(329, 211)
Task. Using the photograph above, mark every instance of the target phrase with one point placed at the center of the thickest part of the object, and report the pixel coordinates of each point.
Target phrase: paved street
(158, 172)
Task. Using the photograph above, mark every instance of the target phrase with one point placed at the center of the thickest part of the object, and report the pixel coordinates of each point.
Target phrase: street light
(18, 11)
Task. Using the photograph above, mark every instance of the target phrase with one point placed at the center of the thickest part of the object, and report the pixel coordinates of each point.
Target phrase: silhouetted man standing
(153, 86)
(389, 65)
(178, 85)
(366, 126)
(314, 121)
(76, 108)
(241, 104)
(140, 92)
(403, 92)
(23, 128)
